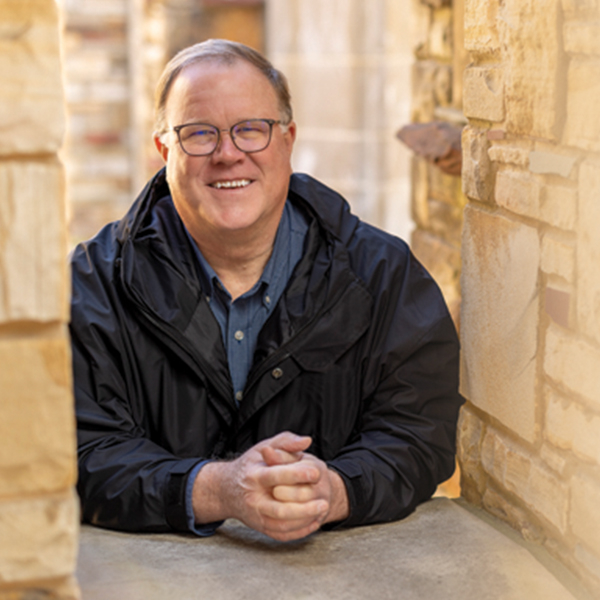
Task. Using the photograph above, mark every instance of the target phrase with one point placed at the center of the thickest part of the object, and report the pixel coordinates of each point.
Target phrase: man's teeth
(231, 184)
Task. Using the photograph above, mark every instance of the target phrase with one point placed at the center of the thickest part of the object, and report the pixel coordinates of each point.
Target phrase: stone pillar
(348, 64)
(38, 505)
(437, 198)
(530, 432)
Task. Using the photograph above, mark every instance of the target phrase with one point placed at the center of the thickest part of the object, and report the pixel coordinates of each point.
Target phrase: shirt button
(239, 335)
(239, 396)
(268, 299)
(276, 373)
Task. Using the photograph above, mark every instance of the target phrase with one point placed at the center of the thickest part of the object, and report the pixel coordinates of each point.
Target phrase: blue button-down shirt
(242, 319)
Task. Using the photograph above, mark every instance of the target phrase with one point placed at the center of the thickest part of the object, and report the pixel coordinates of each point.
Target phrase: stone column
(530, 432)
(38, 505)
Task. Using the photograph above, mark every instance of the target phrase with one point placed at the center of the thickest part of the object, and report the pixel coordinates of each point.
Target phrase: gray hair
(228, 53)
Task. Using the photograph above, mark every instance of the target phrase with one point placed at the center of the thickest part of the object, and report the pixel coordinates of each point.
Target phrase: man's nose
(226, 149)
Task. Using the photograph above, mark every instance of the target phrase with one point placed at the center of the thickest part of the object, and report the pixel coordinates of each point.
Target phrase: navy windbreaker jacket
(360, 353)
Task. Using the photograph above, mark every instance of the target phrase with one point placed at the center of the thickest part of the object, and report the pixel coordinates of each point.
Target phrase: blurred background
(349, 64)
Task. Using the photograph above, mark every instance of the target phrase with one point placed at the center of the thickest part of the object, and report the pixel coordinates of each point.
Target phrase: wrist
(339, 507)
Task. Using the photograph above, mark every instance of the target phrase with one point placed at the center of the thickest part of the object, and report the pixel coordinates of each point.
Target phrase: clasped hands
(275, 487)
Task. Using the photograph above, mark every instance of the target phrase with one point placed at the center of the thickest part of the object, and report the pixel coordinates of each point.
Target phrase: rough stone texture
(521, 473)
(441, 551)
(481, 31)
(573, 363)
(484, 93)
(37, 428)
(570, 426)
(505, 509)
(558, 258)
(529, 36)
(39, 538)
(499, 319)
(558, 206)
(588, 250)
(32, 116)
(583, 120)
(584, 515)
(470, 435)
(477, 175)
(510, 154)
(519, 192)
(33, 272)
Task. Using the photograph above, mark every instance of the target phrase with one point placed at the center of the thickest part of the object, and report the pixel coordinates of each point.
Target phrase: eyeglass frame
(270, 122)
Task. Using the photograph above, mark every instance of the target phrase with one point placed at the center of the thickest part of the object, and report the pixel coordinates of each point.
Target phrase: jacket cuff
(351, 476)
(176, 496)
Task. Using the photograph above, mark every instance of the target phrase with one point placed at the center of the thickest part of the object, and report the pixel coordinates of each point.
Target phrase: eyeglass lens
(248, 136)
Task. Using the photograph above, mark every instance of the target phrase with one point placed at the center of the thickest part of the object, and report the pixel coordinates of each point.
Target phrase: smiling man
(244, 346)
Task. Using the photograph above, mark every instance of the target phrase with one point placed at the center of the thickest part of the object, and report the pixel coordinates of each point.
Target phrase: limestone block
(32, 116)
(477, 175)
(551, 163)
(573, 363)
(569, 426)
(470, 434)
(484, 93)
(481, 30)
(584, 516)
(39, 537)
(519, 192)
(499, 318)
(419, 192)
(558, 257)
(588, 250)
(583, 119)
(523, 474)
(512, 154)
(557, 461)
(431, 88)
(506, 510)
(529, 36)
(33, 285)
(558, 206)
(440, 34)
(581, 37)
(37, 427)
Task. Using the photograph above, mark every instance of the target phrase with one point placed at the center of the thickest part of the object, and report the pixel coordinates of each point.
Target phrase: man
(243, 345)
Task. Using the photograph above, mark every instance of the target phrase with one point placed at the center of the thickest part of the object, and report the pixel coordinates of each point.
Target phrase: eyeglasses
(201, 139)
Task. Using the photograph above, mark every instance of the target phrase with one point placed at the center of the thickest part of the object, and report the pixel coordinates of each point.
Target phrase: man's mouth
(235, 183)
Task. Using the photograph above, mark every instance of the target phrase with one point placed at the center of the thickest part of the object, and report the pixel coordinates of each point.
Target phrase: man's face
(223, 95)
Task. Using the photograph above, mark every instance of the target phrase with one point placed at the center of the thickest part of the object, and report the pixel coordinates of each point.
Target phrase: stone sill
(445, 549)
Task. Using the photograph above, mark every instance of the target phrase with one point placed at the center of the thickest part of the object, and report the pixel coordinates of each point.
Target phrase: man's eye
(197, 134)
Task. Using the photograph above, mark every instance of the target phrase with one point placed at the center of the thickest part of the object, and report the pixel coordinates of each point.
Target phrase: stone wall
(530, 432)
(348, 64)
(437, 197)
(38, 505)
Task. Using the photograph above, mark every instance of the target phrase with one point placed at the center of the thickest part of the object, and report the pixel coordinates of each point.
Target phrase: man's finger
(292, 512)
(290, 442)
(274, 456)
(294, 493)
(298, 473)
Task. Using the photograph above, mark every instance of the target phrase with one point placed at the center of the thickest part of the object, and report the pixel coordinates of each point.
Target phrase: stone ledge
(443, 550)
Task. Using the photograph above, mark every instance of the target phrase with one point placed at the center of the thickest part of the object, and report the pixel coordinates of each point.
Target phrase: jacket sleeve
(126, 481)
(404, 441)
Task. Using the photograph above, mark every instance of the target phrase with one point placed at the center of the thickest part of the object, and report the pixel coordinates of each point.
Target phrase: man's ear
(163, 149)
